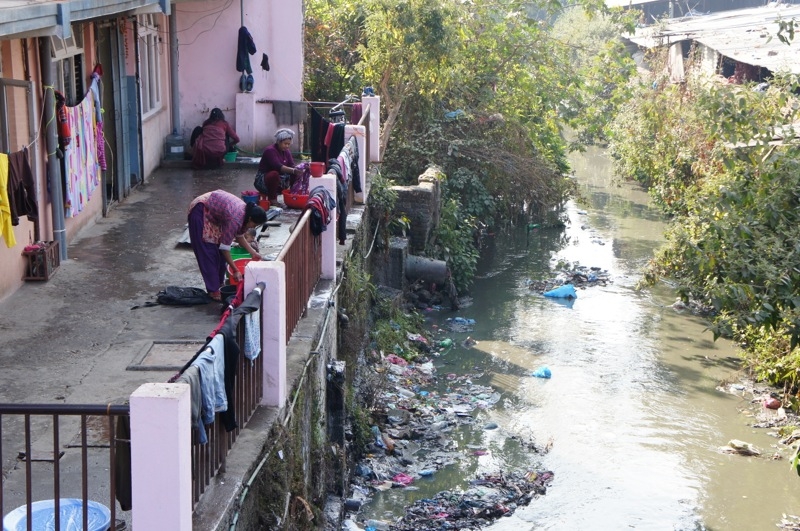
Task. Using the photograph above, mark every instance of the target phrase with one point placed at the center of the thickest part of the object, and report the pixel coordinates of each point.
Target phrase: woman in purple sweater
(277, 162)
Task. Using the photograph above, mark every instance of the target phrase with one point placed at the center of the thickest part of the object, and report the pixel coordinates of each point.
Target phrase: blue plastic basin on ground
(71, 509)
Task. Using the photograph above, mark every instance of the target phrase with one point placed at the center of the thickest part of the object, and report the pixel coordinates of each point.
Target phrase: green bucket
(239, 252)
(230, 156)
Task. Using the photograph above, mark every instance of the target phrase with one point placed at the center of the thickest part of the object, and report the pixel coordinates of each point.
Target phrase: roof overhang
(36, 18)
(745, 35)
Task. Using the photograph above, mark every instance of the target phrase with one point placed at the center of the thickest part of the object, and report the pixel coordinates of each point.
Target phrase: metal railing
(209, 459)
(302, 255)
(29, 426)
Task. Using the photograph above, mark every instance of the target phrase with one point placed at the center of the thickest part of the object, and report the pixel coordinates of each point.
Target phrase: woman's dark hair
(215, 116)
(254, 213)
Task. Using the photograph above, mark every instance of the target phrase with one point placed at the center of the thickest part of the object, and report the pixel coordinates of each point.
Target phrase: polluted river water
(640, 400)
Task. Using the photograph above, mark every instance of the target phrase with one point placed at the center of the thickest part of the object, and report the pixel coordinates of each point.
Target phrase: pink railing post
(329, 236)
(273, 327)
(374, 103)
(161, 464)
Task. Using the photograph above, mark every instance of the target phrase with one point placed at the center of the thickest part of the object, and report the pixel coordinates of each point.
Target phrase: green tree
(332, 30)
(407, 52)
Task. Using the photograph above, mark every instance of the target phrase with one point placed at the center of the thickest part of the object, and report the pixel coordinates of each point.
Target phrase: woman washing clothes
(276, 170)
(216, 219)
(213, 141)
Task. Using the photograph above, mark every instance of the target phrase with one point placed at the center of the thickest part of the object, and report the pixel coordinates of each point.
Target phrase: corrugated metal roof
(746, 35)
(630, 3)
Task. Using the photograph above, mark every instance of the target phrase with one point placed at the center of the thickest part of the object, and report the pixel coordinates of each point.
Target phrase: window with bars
(150, 51)
(68, 59)
(16, 102)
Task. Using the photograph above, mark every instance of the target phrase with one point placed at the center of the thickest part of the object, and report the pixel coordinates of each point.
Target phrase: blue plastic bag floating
(567, 291)
(543, 372)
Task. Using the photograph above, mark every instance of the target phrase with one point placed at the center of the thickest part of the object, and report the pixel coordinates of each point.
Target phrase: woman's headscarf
(283, 134)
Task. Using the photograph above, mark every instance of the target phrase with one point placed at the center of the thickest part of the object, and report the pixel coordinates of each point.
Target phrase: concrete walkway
(72, 339)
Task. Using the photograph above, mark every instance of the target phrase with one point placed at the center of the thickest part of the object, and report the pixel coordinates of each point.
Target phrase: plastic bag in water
(567, 291)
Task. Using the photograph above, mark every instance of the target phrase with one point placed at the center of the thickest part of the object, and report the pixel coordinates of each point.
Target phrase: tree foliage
(599, 66)
(475, 88)
(713, 156)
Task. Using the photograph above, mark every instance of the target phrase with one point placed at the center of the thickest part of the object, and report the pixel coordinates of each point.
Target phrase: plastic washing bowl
(71, 509)
(297, 201)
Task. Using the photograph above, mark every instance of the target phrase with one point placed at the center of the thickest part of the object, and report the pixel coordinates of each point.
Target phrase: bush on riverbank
(703, 150)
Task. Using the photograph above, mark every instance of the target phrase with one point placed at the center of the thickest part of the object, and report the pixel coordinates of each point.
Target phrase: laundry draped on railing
(211, 373)
(346, 169)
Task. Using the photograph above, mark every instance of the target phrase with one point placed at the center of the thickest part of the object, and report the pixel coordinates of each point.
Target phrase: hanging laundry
(21, 188)
(62, 121)
(191, 376)
(265, 62)
(244, 50)
(228, 331)
(319, 126)
(356, 113)
(289, 112)
(355, 169)
(321, 204)
(81, 167)
(6, 229)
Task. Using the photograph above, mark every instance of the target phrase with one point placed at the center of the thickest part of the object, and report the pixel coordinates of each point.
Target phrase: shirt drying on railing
(191, 376)
(341, 199)
(216, 366)
(227, 331)
(321, 203)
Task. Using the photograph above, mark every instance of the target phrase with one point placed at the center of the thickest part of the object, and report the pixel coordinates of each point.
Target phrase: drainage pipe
(51, 143)
(173, 69)
(427, 269)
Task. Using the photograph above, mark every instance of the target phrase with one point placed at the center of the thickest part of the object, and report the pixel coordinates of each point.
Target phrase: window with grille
(16, 102)
(68, 59)
(150, 51)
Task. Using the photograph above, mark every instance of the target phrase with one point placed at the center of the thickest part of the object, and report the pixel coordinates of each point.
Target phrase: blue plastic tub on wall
(71, 509)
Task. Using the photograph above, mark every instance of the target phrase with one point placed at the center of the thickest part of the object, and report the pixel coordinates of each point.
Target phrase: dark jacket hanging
(21, 190)
(246, 48)
(319, 126)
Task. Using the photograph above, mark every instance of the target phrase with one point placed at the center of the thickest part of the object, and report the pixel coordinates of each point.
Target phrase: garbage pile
(414, 442)
(576, 275)
(488, 498)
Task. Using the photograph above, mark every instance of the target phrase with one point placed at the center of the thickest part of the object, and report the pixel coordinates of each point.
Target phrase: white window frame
(69, 64)
(150, 52)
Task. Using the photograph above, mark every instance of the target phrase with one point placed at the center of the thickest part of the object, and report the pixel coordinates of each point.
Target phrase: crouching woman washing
(216, 219)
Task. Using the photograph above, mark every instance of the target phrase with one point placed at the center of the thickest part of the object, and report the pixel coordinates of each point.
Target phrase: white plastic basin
(44, 516)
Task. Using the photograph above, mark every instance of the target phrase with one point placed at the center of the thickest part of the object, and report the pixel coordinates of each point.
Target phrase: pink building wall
(208, 40)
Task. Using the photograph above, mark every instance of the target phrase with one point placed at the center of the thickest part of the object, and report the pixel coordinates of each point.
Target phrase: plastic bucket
(250, 196)
(241, 263)
(227, 293)
(297, 201)
(317, 169)
(264, 203)
(239, 252)
(230, 156)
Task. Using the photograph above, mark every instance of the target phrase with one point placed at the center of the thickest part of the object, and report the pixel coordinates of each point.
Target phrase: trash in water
(542, 372)
(567, 291)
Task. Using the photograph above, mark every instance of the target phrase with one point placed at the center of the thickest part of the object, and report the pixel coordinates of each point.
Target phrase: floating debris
(490, 496)
(735, 446)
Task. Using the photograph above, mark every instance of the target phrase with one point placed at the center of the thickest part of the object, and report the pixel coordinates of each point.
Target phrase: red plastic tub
(297, 201)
